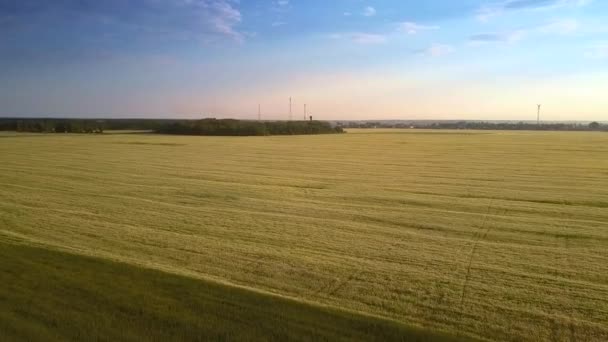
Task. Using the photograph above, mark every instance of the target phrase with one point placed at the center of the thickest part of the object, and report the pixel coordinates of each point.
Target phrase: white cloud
(369, 11)
(361, 38)
(347, 14)
(413, 28)
(278, 23)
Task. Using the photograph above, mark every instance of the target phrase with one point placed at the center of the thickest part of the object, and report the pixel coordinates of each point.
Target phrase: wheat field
(494, 236)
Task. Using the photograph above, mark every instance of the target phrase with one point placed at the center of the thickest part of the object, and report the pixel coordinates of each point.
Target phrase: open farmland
(375, 233)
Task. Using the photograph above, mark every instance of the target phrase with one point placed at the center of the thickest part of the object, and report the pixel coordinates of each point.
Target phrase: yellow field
(488, 235)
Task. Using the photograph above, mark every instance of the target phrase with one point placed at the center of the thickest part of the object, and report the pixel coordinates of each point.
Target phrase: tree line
(243, 128)
(215, 127)
(478, 125)
(231, 127)
(52, 125)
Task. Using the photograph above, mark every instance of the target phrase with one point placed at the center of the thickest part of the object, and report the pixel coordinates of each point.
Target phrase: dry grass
(494, 235)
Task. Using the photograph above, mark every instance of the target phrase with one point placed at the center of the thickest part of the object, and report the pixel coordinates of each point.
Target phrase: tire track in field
(572, 329)
(343, 283)
(473, 250)
(567, 266)
(563, 329)
(333, 287)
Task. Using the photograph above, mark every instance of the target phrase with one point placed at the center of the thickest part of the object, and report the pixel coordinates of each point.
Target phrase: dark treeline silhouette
(243, 128)
(477, 125)
(216, 127)
(52, 125)
(230, 127)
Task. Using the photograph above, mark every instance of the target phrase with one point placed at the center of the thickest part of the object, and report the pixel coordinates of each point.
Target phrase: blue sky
(359, 59)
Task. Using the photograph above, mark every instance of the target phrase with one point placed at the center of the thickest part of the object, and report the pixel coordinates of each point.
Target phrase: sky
(346, 59)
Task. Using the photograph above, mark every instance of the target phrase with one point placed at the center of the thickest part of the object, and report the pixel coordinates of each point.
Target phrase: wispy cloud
(555, 27)
(368, 38)
(361, 38)
(280, 5)
(223, 17)
(597, 51)
(435, 50)
(369, 11)
(197, 19)
(536, 4)
(496, 37)
(414, 28)
(561, 26)
(410, 28)
(488, 11)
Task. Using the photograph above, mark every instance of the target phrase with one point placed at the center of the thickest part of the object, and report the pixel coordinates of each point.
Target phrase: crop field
(374, 234)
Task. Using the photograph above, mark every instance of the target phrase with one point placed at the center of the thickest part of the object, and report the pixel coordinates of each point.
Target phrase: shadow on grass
(48, 296)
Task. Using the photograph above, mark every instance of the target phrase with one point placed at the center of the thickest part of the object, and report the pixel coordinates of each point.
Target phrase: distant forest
(248, 128)
(215, 127)
(52, 125)
(231, 127)
(477, 125)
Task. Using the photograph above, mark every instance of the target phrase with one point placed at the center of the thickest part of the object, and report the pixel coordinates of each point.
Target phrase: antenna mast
(538, 115)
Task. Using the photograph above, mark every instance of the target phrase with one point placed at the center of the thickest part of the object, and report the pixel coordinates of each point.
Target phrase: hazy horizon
(348, 60)
(285, 118)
